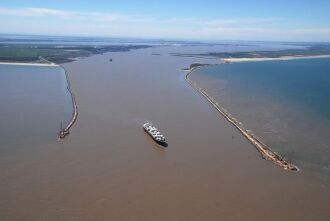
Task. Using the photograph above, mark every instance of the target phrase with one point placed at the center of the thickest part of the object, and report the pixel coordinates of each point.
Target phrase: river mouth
(109, 169)
(35, 102)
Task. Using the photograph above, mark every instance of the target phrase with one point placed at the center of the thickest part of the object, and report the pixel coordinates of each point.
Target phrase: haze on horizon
(294, 20)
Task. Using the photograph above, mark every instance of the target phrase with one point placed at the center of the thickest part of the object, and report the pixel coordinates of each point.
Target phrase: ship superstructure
(153, 132)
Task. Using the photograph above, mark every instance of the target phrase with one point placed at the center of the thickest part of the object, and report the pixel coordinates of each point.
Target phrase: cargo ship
(154, 133)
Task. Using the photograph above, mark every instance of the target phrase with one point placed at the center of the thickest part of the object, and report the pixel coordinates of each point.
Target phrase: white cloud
(98, 16)
(67, 22)
(34, 12)
(46, 12)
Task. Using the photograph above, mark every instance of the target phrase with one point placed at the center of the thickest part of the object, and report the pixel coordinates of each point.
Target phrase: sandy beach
(274, 59)
(29, 64)
(108, 168)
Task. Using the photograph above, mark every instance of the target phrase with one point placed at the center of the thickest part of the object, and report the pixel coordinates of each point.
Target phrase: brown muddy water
(109, 169)
(34, 101)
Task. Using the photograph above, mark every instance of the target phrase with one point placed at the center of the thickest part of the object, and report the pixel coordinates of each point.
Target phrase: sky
(251, 20)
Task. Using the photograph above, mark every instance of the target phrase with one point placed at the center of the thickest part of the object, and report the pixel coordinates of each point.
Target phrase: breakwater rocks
(66, 130)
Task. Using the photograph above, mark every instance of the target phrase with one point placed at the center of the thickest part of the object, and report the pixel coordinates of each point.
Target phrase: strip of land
(66, 130)
(229, 60)
(29, 64)
(316, 50)
(57, 53)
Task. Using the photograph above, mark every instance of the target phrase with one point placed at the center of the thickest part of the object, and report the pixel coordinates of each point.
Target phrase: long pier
(66, 130)
(265, 152)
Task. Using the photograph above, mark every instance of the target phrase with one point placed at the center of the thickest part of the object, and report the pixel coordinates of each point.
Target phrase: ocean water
(33, 102)
(285, 103)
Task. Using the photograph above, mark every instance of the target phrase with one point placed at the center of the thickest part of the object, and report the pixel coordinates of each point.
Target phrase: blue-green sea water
(285, 103)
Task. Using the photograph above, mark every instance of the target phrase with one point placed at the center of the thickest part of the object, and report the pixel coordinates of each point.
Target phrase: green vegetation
(196, 65)
(56, 53)
(313, 50)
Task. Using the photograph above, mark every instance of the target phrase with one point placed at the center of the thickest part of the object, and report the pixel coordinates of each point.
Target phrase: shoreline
(283, 58)
(265, 151)
(30, 64)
